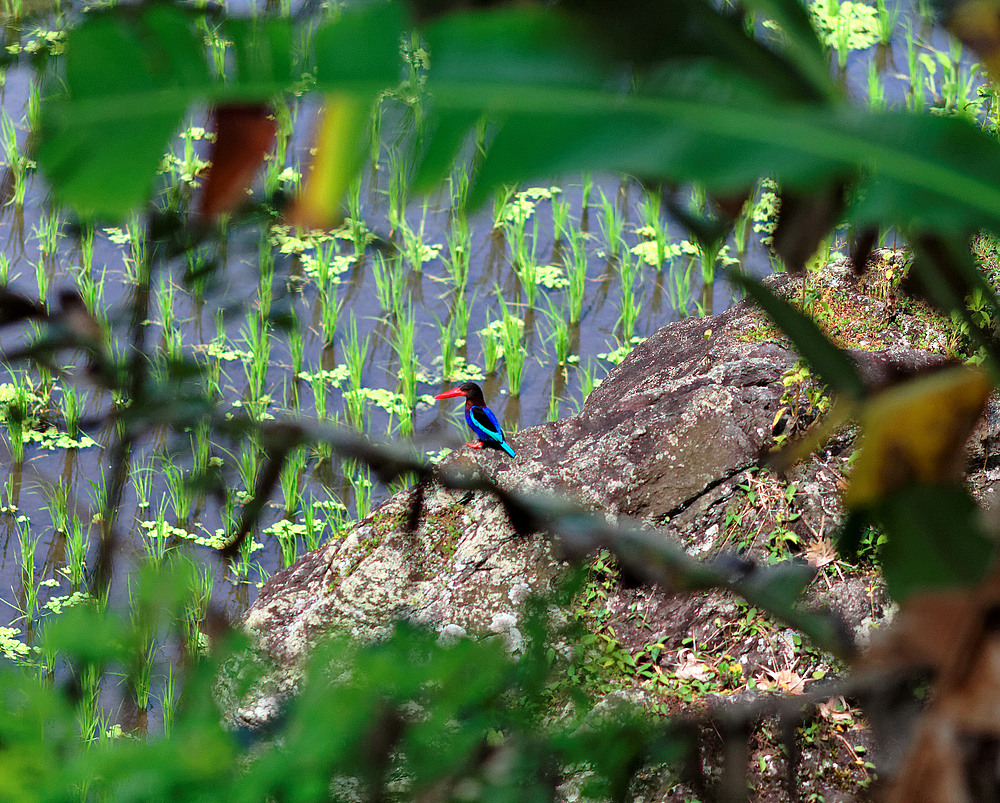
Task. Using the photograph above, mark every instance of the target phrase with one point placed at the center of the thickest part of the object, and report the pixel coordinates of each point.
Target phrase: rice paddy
(536, 297)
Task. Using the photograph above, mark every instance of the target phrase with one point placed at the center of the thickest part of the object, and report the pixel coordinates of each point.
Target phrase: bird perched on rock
(479, 417)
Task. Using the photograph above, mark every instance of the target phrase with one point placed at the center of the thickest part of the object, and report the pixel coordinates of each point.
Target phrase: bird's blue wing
(484, 423)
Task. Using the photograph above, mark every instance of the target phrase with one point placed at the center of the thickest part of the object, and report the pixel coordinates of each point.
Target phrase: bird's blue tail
(507, 448)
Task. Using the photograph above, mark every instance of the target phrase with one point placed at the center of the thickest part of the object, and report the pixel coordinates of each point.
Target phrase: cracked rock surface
(669, 437)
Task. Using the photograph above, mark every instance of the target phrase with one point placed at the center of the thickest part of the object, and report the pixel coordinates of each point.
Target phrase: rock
(672, 436)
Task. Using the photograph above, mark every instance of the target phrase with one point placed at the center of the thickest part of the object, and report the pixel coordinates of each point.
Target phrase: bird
(479, 417)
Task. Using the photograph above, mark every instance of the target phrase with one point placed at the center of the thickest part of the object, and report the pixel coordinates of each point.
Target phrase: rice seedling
(876, 91)
(588, 381)
(356, 221)
(586, 188)
(560, 217)
(449, 348)
(12, 491)
(286, 534)
(179, 489)
(329, 312)
(137, 263)
(524, 262)
(296, 349)
(4, 269)
(512, 342)
(459, 242)
(33, 108)
(291, 480)
(142, 481)
(49, 232)
(28, 543)
(553, 414)
(257, 337)
(42, 280)
(196, 603)
(17, 164)
(489, 338)
(318, 385)
(577, 274)
(915, 95)
(397, 189)
(404, 344)
(155, 536)
(361, 488)
(558, 332)
(72, 409)
(57, 505)
(355, 352)
(248, 465)
(887, 19)
(460, 313)
(312, 527)
(77, 545)
(144, 648)
(652, 221)
(630, 305)
(168, 700)
(88, 709)
(414, 249)
(86, 247)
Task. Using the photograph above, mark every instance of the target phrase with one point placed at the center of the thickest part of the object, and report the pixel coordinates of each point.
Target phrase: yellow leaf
(337, 150)
(915, 433)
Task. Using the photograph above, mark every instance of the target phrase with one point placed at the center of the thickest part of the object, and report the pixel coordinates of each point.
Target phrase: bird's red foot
(475, 445)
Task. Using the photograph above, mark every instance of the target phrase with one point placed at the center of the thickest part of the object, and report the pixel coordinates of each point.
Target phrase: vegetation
(702, 102)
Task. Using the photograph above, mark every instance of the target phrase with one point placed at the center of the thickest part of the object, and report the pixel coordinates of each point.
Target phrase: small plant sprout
(17, 164)
(887, 19)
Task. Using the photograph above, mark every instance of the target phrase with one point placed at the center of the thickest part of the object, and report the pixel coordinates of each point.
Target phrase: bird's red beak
(450, 394)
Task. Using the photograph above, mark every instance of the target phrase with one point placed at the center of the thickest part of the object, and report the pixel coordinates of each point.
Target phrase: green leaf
(262, 51)
(934, 540)
(129, 80)
(360, 50)
(832, 365)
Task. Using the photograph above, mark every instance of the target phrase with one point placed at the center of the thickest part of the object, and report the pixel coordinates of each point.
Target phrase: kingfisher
(479, 417)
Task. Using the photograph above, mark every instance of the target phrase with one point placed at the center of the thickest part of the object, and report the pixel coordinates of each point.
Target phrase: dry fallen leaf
(784, 680)
(693, 669)
(820, 553)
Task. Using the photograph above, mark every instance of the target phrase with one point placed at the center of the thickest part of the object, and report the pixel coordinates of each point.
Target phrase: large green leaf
(558, 110)
(131, 76)
(129, 80)
(934, 540)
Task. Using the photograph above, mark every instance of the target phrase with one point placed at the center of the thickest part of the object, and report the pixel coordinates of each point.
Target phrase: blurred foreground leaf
(915, 432)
